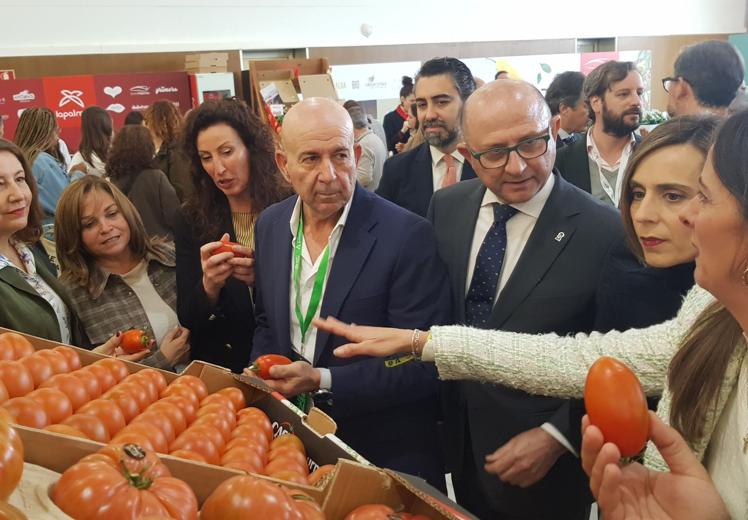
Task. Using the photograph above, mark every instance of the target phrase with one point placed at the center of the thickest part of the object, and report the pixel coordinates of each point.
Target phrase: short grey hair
(358, 116)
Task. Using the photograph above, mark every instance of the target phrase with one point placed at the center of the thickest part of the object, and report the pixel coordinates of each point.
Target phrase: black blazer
(220, 334)
(552, 289)
(408, 181)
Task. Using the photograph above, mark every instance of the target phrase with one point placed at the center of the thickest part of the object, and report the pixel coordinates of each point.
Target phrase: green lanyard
(319, 280)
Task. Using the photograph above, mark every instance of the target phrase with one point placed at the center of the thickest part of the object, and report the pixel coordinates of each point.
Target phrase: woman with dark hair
(118, 277)
(235, 177)
(164, 122)
(96, 136)
(396, 126)
(416, 136)
(132, 169)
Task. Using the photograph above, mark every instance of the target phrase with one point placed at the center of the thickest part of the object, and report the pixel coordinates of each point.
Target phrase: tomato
(125, 437)
(261, 366)
(39, 368)
(14, 346)
(27, 412)
(247, 455)
(124, 482)
(240, 465)
(183, 403)
(90, 425)
(157, 420)
(371, 512)
(171, 412)
(156, 376)
(70, 386)
(197, 385)
(218, 421)
(248, 412)
(288, 475)
(247, 497)
(126, 402)
(56, 404)
(17, 379)
(228, 247)
(285, 439)
(105, 376)
(134, 340)
(216, 408)
(153, 434)
(185, 391)
(245, 441)
(319, 474)
(3, 393)
(64, 429)
(189, 455)
(236, 396)
(261, 423)
(218, 399)
(616, 404)
(70, 355)
(289, 464)
(146, 382)
(253, 433)
(136, 392)
(116, 367)
(11, 458)
(288, 452)
(109, 413)
(306, 505)
(211, 432)
(199, 444)
(58, 361)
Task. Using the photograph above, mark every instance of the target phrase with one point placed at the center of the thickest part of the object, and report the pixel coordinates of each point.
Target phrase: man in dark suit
(564, 97)
(410, 179)
(524, 250)
(336, 249)
(596, 163)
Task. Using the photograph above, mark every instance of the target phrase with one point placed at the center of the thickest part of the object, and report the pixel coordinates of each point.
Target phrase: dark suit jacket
(385, 272)
(573, 163)
(407, 179)
(220, 334)
(552, 289)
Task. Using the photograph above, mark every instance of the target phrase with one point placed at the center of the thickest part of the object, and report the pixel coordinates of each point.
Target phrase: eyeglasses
(527, 149)
(667, 83)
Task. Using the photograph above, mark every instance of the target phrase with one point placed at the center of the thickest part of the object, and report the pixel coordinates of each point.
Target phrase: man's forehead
(433, 86)
(316, 138)
(632, 79)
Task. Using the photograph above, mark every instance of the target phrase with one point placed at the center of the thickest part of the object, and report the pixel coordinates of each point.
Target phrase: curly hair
(164, 120)
(132, 152)
(265, 183)
(96, 133)
(37, 133)
(33, 230)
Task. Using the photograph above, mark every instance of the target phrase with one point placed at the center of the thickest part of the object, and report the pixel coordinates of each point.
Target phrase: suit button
(211, 317)
(228, 346)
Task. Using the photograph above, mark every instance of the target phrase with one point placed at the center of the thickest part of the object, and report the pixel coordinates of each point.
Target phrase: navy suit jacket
(386, 272)
(408, 179)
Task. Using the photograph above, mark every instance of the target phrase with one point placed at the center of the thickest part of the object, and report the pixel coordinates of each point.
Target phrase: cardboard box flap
(320, 422)
(427, 493)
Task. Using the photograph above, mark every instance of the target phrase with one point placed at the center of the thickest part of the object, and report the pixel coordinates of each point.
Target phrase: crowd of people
(444, 304)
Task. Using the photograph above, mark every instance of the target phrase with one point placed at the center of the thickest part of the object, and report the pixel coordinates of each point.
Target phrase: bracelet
(414, 340)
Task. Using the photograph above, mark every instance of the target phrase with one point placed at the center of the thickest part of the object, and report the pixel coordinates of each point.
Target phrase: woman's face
(225, 158)
(15, 195)
(405, 102)
(720, 235)
(662, 185)
(105, 232)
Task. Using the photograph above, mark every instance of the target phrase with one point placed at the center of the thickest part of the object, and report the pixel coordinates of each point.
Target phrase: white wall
(50, 27)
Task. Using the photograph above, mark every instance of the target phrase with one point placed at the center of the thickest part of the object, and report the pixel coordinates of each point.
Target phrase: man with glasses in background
(707, 77)
(524, 250)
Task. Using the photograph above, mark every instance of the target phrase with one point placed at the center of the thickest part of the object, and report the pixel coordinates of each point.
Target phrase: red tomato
(183, 403)
(105, 376)
(138, 393)
(58, 361)
(3, 393)
(288, 475)
(64, 429)
(70, 355)
(371, 512)
(288, 452)
(171, 412)
(189, 455)
(240, 465)
(249, 443)
(199, 444)
(286, 439)
(218, 399)
(134, 340)
(17, 379)
(182, 390)
(27, 412)
(253, 433)
(91, 426)
(11, 458)
(228, 247)
(218, 421)
(56, 404)
(246, 455)
(144, 382)
(116, 367)
(261, 423)
(319, 474)
(211, 432)
(39, 368)
(109, 413)
(616, 404)
(306, 505)
(70, 386)
(125, 437)
(153, 434)
(129, 483)
(219, 409)
(287, 464)
(197, 385)
(261, 366)
(14, 346)
(126, 402)
(236, 396)
(248, 497)
(250, 411)
(156, 376)
(89, 381)
(158, 421)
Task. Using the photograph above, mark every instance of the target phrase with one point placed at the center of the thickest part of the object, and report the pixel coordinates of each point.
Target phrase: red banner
(15, 97)
(589, 61)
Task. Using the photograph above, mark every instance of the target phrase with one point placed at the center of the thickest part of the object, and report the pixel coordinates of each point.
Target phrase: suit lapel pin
(560, 236)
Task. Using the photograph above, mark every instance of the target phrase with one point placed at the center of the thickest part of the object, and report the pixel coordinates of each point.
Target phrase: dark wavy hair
(164, 120)
(96, 133)
(454, 68)
(265, 183)
(132, 152)
(33, 230)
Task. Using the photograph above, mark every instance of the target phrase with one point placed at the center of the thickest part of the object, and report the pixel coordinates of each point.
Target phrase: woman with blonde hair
(164, 122)
(118, 277)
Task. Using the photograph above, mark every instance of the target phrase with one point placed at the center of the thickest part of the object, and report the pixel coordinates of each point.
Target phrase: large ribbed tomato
(11, 457)
(371, 512)
(14, 346)
(616, 404)
(123, 482)
(248, 497)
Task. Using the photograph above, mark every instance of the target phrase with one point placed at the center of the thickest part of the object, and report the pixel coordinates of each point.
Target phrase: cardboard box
(206, 62)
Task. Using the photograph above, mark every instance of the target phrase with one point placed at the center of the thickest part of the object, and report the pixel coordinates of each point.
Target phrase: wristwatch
(323, 397)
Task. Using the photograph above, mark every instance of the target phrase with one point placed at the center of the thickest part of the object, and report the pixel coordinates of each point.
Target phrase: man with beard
(410, 179)
(597, 162)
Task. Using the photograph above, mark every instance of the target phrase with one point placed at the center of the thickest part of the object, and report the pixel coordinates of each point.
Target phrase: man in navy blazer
(336, 249)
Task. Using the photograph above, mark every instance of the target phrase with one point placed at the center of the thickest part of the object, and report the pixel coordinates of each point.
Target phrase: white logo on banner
(71, 96)
(160, 90)
(113, 91)
(116, 107)
(24, 95)
(140, 90)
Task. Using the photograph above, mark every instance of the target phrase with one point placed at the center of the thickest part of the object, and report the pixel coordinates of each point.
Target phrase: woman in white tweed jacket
(698, 358)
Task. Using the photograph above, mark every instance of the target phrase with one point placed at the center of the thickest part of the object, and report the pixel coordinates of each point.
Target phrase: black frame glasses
(668, 81)
(523, 148)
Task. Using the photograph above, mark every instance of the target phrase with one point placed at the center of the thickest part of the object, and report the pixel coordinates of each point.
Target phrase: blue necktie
(480, 296)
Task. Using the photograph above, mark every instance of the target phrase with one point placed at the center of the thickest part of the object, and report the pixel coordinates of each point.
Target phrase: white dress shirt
(606, 179)
(309, 269)
(439, 167)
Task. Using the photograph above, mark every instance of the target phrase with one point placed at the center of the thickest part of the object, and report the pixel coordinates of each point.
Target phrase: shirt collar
(563, 134)
(437, 155)
(26, 256)
(294, 222)
(96, 290)
(532, 207)
(594, 153)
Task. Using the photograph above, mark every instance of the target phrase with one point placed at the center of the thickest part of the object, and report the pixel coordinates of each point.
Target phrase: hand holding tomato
(215, 266)
(262, 365)
(111, 347)
(293, 379)
(244, 265)
(526, 458)
(632, 491)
